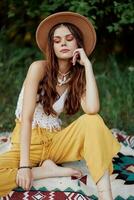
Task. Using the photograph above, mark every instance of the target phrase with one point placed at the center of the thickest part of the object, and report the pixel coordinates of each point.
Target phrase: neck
(64, 66)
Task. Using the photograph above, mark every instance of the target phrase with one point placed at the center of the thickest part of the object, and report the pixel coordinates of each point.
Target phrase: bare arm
(90, 100)
(35, 74)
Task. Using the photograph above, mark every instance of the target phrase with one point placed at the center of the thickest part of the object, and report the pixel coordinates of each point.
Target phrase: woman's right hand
(24, 178)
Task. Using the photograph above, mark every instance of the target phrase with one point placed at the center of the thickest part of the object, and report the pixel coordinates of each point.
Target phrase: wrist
(25, 162)
(87, 63)
(88, 69)
(25, 167)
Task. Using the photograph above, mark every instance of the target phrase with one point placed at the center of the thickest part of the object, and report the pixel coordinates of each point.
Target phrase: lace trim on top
(40, 118)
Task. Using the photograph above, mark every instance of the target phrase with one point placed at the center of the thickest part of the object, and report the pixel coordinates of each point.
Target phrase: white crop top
(39, 117)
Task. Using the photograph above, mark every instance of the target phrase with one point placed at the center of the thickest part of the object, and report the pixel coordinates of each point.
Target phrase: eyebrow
(60, 36)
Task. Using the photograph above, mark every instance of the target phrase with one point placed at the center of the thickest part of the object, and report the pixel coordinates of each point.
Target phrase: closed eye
(56, 39)
(69, 37)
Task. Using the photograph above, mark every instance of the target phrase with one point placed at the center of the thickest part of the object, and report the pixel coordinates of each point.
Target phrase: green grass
(116, 86)
(115, 82)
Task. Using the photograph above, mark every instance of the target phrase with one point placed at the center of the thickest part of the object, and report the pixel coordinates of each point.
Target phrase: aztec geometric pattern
(122, 174)
(54, 196)
(126, 140)
(33, 195)
(71, 188)
(123, 166)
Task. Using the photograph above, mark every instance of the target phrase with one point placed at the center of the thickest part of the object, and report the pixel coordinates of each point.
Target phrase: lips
(64, 50)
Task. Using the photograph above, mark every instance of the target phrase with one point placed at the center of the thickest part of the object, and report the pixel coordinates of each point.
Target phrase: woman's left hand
(80, 56)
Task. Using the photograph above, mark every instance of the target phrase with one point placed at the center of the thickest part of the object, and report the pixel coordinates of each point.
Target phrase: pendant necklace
(65, 78)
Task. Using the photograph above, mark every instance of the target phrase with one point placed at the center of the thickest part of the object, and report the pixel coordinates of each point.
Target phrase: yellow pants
(86, 138)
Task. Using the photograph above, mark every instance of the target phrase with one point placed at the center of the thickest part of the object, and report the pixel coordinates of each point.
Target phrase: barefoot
(105, 195)
(52, 170)
(104, 187)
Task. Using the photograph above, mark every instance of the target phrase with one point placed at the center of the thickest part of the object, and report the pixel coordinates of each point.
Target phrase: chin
(64, 57)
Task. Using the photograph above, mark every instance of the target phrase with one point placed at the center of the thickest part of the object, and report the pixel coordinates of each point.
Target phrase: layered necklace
(63, 78)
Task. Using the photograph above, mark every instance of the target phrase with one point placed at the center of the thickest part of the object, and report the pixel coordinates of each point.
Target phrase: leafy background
(112, 59)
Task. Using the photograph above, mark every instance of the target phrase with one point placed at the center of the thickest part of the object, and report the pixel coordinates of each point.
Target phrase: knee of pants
(92, 125)
(91, 119)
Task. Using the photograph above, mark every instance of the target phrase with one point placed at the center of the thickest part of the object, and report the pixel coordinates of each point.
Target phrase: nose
(63, 42)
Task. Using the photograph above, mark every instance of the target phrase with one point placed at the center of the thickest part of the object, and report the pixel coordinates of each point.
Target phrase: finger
(73, 61)
(31, 184)
(29, 181)
(22, 182)
(75, 55)
(27, 184)
(76, 51)
(19, 182)
(17, 179)
(75, 58)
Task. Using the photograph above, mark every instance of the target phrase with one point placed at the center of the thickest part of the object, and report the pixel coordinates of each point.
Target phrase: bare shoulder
(36, 71)
(38, 67)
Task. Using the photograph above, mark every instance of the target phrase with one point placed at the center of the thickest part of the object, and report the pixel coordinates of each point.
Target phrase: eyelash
(68, 39)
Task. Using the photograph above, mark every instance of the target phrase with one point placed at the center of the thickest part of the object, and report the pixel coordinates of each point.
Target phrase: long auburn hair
(76, 86)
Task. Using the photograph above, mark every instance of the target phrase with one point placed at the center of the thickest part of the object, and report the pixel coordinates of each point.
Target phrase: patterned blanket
(70, 188)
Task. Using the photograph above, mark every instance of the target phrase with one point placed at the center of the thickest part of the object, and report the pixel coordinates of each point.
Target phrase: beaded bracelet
(25, 167)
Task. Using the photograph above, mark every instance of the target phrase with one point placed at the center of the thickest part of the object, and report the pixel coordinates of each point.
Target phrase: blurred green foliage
(113, 57)
(14, 61)
(19, 19)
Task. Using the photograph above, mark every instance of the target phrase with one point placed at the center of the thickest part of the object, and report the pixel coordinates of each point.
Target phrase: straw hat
(81, 22)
